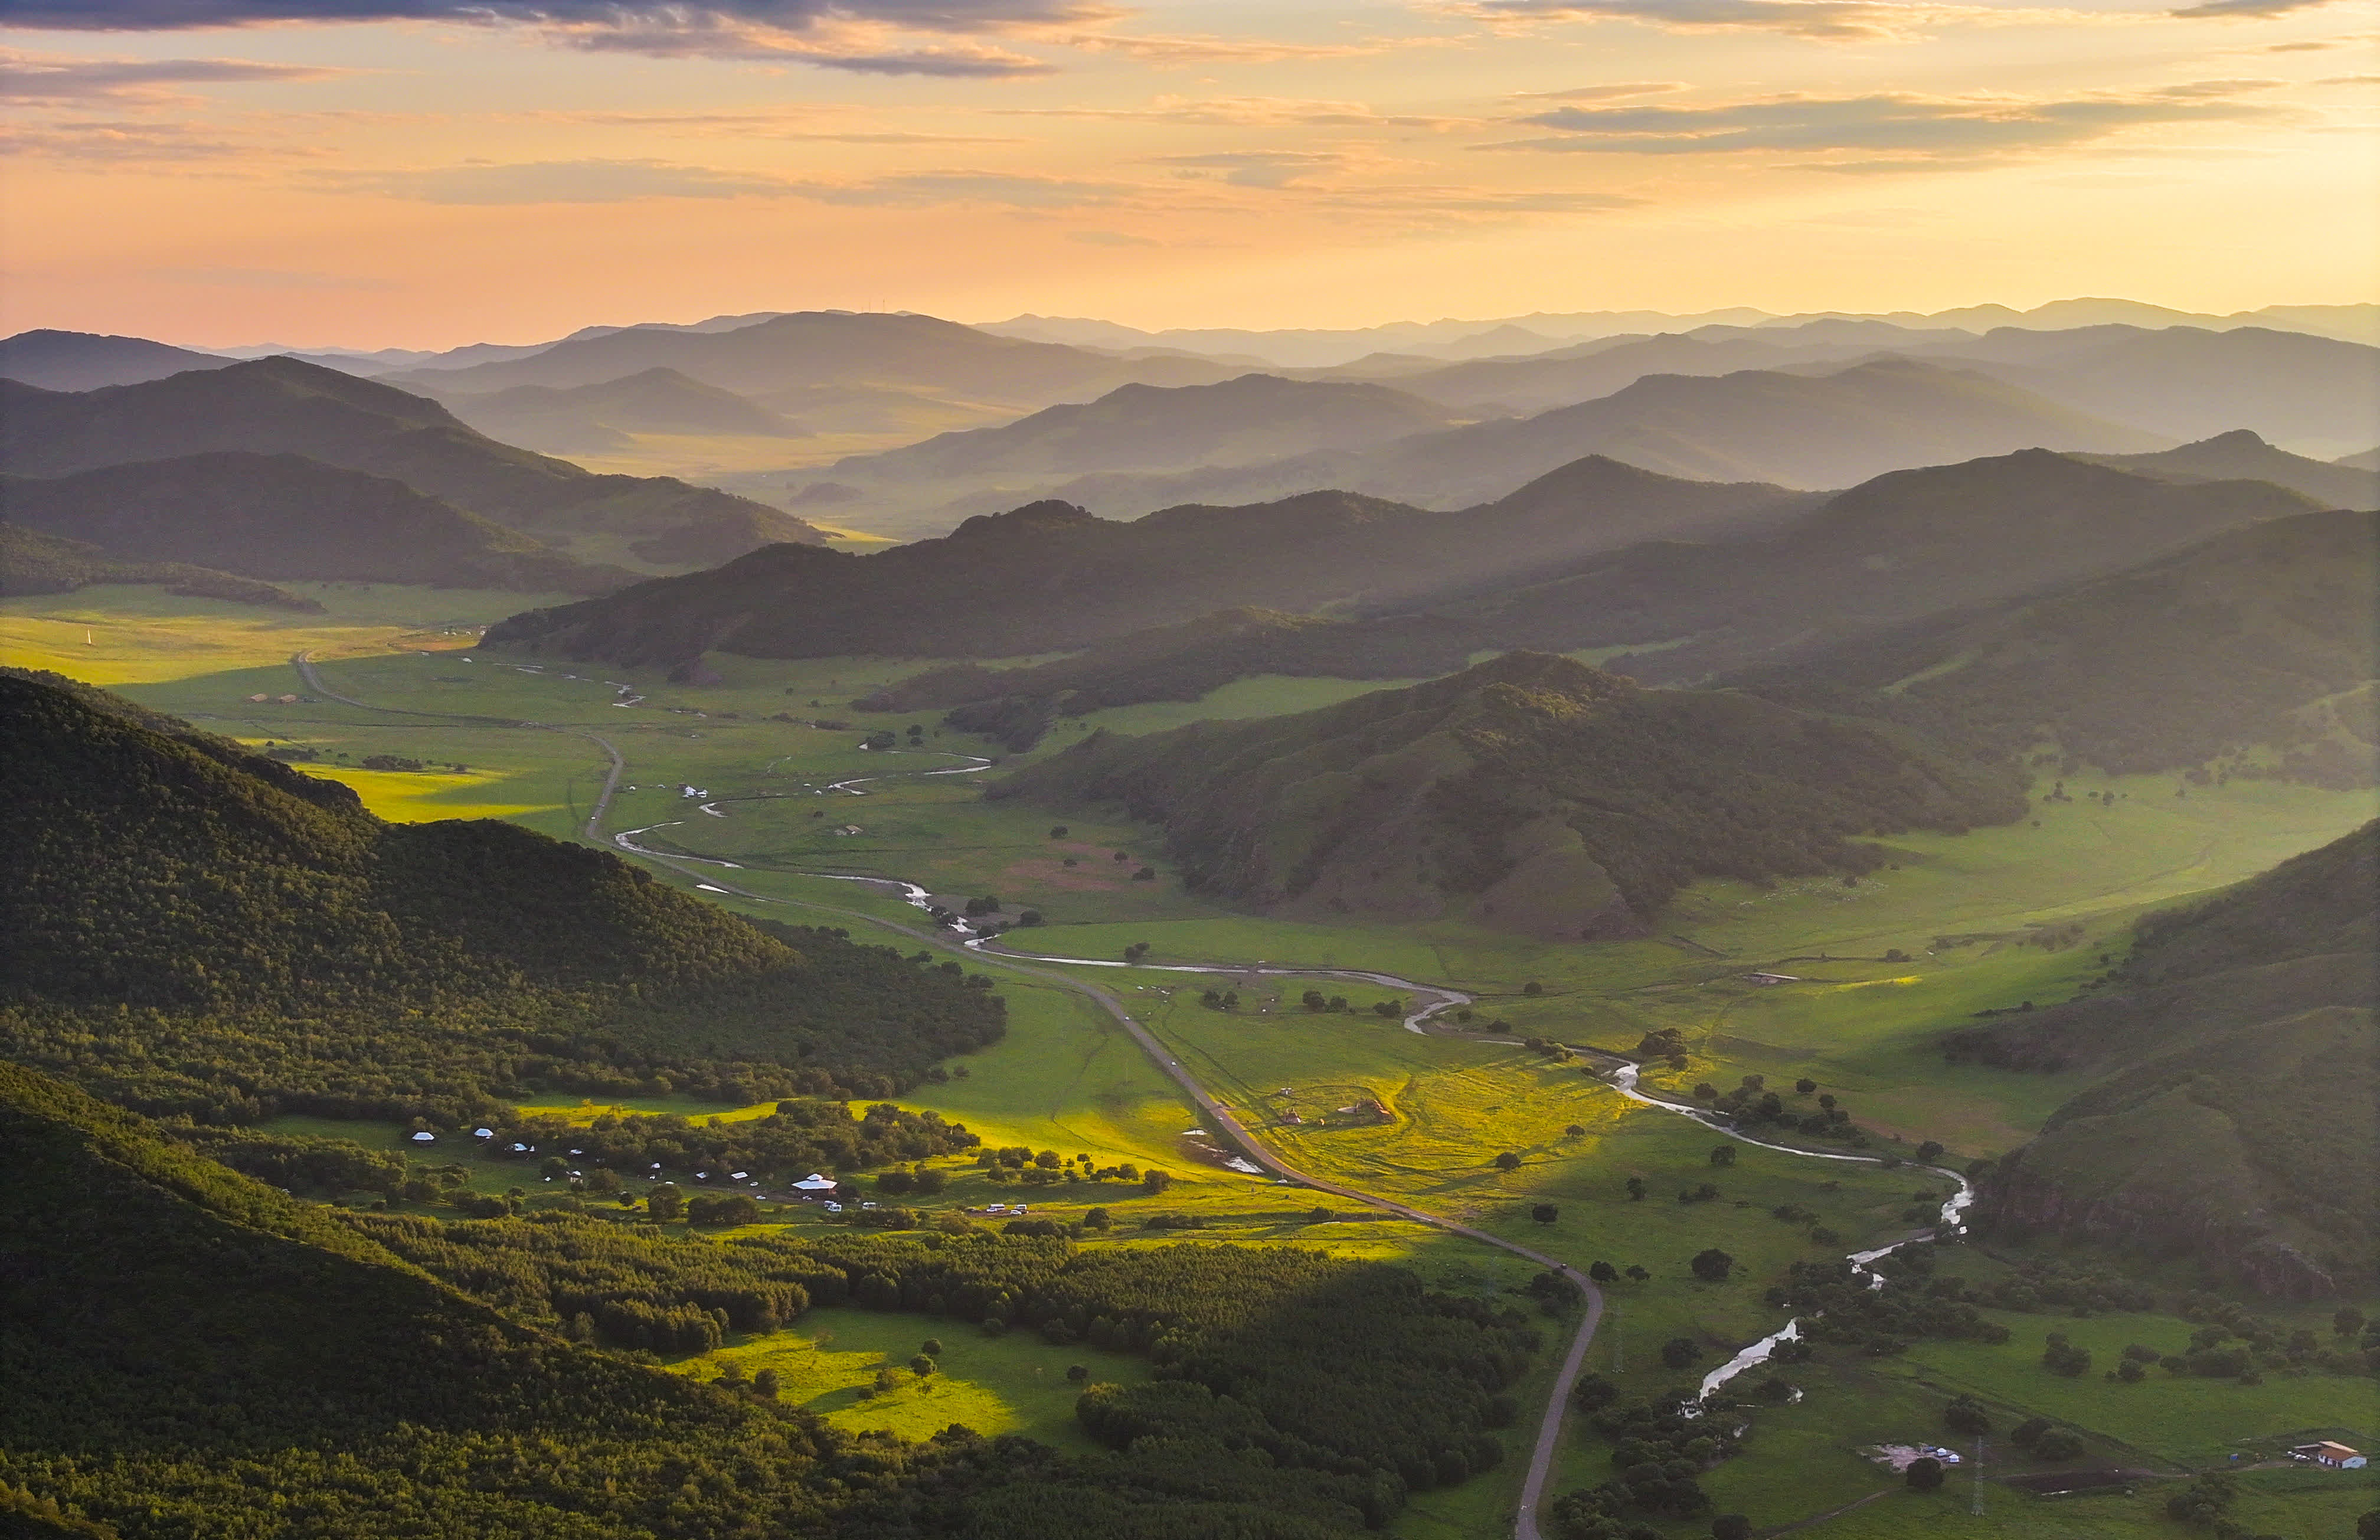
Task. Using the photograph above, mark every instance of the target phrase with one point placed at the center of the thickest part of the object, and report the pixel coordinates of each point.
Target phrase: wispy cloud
(1255, 168)
(2218, 8)
(1914, 130)
(38, 78)
(623, 181)
(1817, 20)
(1205, 50)
(117, 142)
(1253, 112)
(979, 189)
(1616, 90)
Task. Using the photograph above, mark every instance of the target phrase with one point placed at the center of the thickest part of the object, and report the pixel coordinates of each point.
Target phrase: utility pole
(1977, 1508)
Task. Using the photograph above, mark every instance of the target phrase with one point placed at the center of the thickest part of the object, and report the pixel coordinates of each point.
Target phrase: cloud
(1614, 92)
(30, 77)
(1256, 168)
(996, 188)
(1820, 20)
(869, 37)
(115, 142)
(1252, 112)
(1918, 130)
(1202, 49)
(2217, 8)
(273, 279)
(590, 181)
(1111, 237)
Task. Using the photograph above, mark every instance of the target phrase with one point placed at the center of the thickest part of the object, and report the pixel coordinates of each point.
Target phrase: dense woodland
(33, 563)
(1539, 792)
(189, 1353)
(204, 931)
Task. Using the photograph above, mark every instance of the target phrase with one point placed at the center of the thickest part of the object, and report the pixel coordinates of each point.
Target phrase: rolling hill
(1252, 417)
(1904, 545)
(1529, 794)
(2254, 654)
(771, 361)
(591, 419)
(284, 407)
(1785, 426)
(2241, 455)
(1049, 577)
(2231, 1116)
(2190, 384)
(287, 516)
(86, 360)
(354, 967)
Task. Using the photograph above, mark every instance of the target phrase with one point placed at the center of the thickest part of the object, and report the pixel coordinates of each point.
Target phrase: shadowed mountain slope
(86, 360)
(2241, 455)
(1904, 545)
(1049, 577)
(2254, 654)
(33, 563)
(287, 516)
(592, 418)
(2232, 1118)
(1529, 793)
(280, 405)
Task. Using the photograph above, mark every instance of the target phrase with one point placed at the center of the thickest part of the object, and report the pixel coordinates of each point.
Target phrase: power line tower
(1977, 1506)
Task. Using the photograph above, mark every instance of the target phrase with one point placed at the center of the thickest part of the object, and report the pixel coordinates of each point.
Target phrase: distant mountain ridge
(86, 360)
(599, 417)
(1049, 577)
(281, 405)
(2242, 456)
(288, 518)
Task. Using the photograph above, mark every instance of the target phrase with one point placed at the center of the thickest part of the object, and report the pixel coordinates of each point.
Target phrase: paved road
(1548, 1443)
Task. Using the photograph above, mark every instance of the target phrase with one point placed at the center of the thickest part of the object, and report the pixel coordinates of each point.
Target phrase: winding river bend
(1430, 1000)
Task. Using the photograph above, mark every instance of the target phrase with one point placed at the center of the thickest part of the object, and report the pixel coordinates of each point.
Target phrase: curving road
(1548, 1441)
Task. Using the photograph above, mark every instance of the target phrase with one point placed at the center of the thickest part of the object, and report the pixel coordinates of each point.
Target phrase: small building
(424, 1138)
(1767, 978)
(2338, 1457)
(815, 1184)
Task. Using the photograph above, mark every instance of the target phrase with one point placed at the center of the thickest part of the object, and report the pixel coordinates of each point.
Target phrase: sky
(423, 173)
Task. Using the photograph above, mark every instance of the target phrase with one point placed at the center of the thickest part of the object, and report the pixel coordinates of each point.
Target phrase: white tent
(815, 1184)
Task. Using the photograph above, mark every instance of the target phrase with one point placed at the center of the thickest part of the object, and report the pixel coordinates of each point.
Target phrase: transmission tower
(1977, 1506)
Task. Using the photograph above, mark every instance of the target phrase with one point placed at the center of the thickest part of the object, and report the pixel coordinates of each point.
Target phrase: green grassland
(1962, 909)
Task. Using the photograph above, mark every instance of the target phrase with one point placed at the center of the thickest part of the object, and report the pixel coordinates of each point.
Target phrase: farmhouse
(2338, 1457)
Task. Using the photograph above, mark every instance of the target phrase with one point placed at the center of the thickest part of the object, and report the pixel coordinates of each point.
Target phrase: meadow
(1972, 917)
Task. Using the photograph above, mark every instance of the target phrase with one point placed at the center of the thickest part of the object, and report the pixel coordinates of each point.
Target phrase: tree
(2062, 1357)
(2025, 1432)
(1923, 1474)
(1724, 1155)
(765, 1384)
(1533, 989)
(931, 1346)
(1805, 1086)
(1636, 1273)
(1635, 1189)
(2347, 1320)
(1575, 1131)
(1319, 1215)
(1098, 1218)
(1730, 1526)
(922, 1365)
(1712, 1265)
(1930, 1151)
(1057, 831)
(1030, 917)
(1076, 1373)
(1679, 1352)
(1545, 1213)
(1507, 1161)
(667, 1203)
(1603, 1272)
(1593, 1393)
(1156, 1182)
(2056, 1444)
(2368, 1526)
(1966, 1414)
(2205, 1499)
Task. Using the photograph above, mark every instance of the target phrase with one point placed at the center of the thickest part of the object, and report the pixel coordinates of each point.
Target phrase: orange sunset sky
(412, 173)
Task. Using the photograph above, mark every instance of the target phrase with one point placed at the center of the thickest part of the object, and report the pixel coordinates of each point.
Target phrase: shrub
(1679, 1353)
(1923, 1474)
(1712, 1265)
(2056, 1444)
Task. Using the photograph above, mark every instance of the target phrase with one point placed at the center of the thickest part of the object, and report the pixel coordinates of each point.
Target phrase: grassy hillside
(1530, 792)
(287, 516)
(1017, 706)
(2252, 653)
(1913, 543)
(33, 563)
(1049, 577)
(2231, 1116)
(282, 405)
(198, 929)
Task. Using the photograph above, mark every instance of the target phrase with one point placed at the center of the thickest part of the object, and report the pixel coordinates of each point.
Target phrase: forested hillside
(2252, 653)
(289, 517)
(282, 405)
(1051, 577)
(194, 928)
(2231, 1118)
(33, 563)
(1178, 662)
(190, 1352)
(1530, 792)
